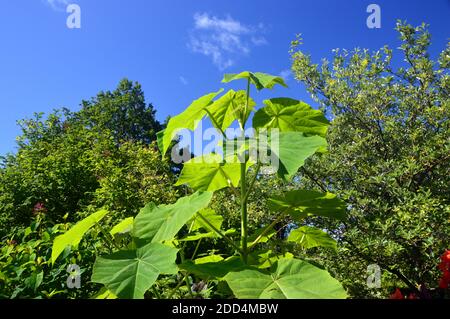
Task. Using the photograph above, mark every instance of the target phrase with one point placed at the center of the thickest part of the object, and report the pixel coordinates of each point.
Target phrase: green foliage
(209, 173)
(289, 115)
(178, 248)
(258, 79)
(74, 235)
(130, 273)
(161, 223)
(310, 237)
(297, 141)
(187, 119)
(289, 279)
(26, 267)
(73, 163)
(301, 203)
(388, 158)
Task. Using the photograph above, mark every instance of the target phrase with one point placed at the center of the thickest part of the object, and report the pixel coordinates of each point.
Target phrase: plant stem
(268, 228)
(219, 232)
(244, 213)
(252, 182)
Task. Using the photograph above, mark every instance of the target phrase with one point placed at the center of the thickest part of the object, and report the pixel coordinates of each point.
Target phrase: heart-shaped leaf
(163, 222)
(290, 115)
(210, 173)
(185, 120)
(230, 107)
(130, 273)
(289, 279)
(301, 203)
(292, 149)
(260, 80)
(309, 237)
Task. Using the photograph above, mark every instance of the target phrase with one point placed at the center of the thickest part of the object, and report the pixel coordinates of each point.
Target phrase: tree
(75, 161)
(123, 112)
(388, 158)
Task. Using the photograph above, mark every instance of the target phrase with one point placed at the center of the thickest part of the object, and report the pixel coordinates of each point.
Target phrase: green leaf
(230, 107)
(260, 80)
(301, 203)
(185, 120)
(208, 259)
(309, 237)
(130, 273)
(293, 149)
(163, 222)
(267, 258)
(289, 279)
(210, 173)
(290, 115)
(124, 226)
(74, 235)
(213, 218)
(214, 269)
(197, 236)
(104, 294)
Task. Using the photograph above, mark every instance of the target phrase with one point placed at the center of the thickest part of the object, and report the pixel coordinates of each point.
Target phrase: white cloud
(183, 80)
(285, 74)
(57, 5)
(223, 40)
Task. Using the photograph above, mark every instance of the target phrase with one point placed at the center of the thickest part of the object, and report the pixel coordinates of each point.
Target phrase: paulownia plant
(298, 132)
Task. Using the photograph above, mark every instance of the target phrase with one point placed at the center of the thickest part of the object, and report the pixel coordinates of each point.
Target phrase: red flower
(396, 295)
(443, 284)
(443, 266)
(446, 257)
(446, 275)
(412, 296)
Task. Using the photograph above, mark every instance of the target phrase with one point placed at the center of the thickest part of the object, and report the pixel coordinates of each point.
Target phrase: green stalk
(244, 213)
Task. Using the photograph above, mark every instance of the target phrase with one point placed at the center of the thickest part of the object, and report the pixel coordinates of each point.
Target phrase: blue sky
(177, 50)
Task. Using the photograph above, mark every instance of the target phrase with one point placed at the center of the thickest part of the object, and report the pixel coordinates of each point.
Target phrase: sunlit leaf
(309, 237)
(301, 203)
(260, 80)
(292, 149)
(230, 107)
(185, 120)
(210, 173)
(163, 222)
(289, 279)
(124, 226)
(130, 273)
(290, 115)
(74, 235)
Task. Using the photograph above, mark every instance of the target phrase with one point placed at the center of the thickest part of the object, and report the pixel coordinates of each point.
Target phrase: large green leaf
(300, 203)
(230, 107)
(260, 80)
(130, 273)
(210, 173)
(289, 279)
(293, 149)
(185, 120)
(163, 222)
(290, 115)
(74, 235)
(124, 226)
(214, 269)
(309, 237)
